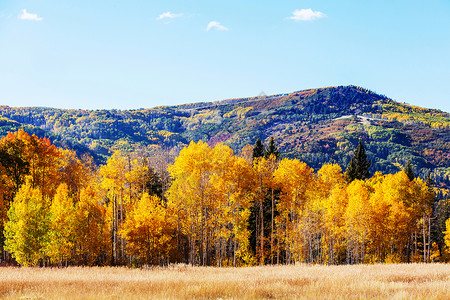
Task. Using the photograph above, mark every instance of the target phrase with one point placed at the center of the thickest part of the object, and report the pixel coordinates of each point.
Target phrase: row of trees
(209, 207)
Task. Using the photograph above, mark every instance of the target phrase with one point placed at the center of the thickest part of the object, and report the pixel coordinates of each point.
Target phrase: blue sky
(139, 54)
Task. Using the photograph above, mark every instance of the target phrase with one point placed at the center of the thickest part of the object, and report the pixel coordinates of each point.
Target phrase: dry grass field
(401, 281)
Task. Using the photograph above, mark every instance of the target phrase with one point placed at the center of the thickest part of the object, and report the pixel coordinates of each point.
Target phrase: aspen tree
(148, 230)
(91, 230)
(61, 229)
(295, 179)
(26, 232)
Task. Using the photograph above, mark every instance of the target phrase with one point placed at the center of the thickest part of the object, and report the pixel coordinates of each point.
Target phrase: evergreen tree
(409, 171)
(153, 185)
(358, 168)
(350, 173)
(272, 150)
(259, 149)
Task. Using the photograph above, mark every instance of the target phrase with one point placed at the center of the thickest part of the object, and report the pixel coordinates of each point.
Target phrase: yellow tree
(191, 192)
(394, 216)
(295, 180)
(61, 230)
(149, 230)
(379, 234)
(91, 231)
(331, 187)
(240, 199)
(357, 220)
(74, 172)
(423, 196)
(113, 177)
(447, 234)
(231, 182)
(27, 227)
(247, 153)
(211, 193)
(221, 211)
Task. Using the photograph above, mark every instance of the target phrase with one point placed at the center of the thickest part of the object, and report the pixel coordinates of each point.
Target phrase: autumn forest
(209, 206)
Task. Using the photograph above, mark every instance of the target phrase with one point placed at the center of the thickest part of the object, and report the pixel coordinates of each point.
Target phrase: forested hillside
(334, 175)
(316, 126)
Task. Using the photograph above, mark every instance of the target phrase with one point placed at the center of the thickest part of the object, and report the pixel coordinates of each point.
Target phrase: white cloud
(307, 15)
(216, 25)
(30, 17)
(168, 15)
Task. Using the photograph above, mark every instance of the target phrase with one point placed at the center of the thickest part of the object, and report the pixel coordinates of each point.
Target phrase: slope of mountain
(315, 125)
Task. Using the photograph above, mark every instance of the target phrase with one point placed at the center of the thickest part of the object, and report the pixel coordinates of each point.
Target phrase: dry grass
(402, 281)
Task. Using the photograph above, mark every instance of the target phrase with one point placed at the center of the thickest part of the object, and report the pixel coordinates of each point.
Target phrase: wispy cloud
(306, 14)
(30, 17)
(168, 15)
(215, 25)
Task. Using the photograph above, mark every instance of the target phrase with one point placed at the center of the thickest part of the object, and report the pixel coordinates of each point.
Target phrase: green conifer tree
(409, 171)
(259, 149)
(272, 150)
(358, 168)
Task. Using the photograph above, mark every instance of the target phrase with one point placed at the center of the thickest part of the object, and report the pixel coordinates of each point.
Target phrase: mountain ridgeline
(315, 125)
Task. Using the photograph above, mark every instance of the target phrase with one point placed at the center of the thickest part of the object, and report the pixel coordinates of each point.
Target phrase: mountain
(314, 125)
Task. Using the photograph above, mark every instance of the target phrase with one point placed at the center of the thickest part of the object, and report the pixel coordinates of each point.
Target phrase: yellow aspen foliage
(27, 227)
(240, 198)
(149, 230)
(247, 153)
(396, 207)
(61, 230)
(331, 188)
(211, 191)
(136, 178)
(191, 192)
(447, 234)
(295, 180)
(334, 223)
(380, 233)
(232, 185)
(74, 172)
(330, 175)
(357, 218)
(114, 182)
(113, 173)
(402, 210)
(91, 232)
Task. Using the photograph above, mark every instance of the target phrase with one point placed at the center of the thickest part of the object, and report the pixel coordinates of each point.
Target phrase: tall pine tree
(272, 150)
(409, 171)
(358, 168)
(259, 149)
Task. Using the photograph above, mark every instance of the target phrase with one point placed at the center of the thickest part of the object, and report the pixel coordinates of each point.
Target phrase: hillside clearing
(399, 281)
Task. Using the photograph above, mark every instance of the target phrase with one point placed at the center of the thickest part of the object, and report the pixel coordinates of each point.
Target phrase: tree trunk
(429, 239)
(271, 232)
(424, 240)
(262, 232)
